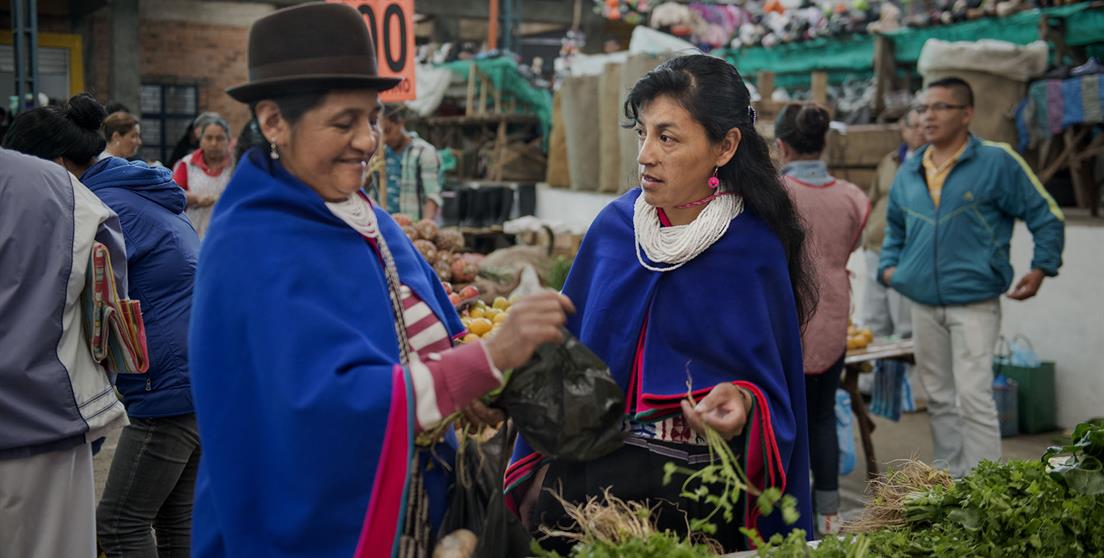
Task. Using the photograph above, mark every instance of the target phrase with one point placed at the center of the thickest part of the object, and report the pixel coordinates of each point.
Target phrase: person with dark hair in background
(698, 277)
(949, 224)
(413, 177)
(115, 106)
(54, 397)
(885, 311)
(187, 143)
(205, 172)
(123, 133)
(5, 121)
(249, 137)
(152, 476)
(321, 340)
(189, 140)
(835, 212)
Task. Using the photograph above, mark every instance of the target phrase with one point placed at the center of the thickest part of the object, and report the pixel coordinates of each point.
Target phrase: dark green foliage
(1012, 509)
(1079, 464)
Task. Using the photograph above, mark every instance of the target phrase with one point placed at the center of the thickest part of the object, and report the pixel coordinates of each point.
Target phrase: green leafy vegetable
(1079, 464)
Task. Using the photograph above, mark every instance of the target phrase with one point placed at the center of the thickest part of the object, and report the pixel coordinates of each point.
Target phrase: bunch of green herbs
(1019, 508)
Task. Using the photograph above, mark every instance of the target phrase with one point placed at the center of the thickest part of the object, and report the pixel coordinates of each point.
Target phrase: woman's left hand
(479, 415)
(724, 409)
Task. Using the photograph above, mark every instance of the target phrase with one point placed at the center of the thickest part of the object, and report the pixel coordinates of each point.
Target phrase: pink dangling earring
(714, 182)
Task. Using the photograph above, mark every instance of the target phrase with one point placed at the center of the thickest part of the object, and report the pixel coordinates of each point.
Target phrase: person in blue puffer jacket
(948, 229)
(152, 478)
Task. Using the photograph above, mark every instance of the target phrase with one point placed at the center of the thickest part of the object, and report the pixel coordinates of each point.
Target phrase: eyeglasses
(937, 107)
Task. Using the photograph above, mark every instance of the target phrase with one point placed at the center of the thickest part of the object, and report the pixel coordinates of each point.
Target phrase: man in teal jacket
(948, 228)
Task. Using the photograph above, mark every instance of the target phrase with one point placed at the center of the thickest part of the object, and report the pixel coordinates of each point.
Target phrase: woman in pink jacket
(835, 212)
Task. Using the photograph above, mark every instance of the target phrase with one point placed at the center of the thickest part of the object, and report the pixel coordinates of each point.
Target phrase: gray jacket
(53, 396)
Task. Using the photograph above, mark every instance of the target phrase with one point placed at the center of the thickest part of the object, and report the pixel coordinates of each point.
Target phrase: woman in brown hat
(321, 342)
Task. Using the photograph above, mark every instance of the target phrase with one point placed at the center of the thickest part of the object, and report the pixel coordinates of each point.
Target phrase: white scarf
(679, 244)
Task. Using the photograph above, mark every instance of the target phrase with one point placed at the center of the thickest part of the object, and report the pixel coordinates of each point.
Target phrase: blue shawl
(729, 315)
(302, 406)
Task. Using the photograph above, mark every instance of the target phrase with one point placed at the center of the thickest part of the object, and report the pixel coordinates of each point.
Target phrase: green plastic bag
(1036, 399)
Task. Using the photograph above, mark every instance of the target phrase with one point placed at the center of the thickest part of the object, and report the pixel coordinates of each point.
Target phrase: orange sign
(391, 24)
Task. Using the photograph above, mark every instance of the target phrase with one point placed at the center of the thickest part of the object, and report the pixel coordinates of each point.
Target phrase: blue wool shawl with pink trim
(729, 315)
(305, 416)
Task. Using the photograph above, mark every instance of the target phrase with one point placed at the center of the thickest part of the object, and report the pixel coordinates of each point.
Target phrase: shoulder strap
(418, 180)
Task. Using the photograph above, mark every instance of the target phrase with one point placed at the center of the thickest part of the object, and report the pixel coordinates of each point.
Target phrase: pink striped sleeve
(448, 381)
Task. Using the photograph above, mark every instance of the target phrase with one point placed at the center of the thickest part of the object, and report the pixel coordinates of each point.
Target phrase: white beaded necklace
(679, 244)
(358, 214)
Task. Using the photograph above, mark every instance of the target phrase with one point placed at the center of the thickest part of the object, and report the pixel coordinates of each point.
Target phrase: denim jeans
(151, 484)
(820, 397)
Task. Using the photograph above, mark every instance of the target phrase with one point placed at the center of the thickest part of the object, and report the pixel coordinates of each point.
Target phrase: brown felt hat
(312, 47)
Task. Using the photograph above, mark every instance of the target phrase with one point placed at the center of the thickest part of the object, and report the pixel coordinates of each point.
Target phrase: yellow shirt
(937, 175)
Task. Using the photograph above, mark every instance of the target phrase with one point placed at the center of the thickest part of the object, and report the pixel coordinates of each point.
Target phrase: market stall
(858, 361)
(1058, 118)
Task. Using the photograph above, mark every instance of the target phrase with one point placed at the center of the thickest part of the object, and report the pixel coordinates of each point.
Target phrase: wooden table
(853, 364)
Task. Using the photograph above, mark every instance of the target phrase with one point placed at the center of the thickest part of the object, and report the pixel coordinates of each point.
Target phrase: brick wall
(97, 71)
(212, 57)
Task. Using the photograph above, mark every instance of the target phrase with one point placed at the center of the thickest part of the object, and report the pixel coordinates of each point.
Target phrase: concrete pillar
(126, 82)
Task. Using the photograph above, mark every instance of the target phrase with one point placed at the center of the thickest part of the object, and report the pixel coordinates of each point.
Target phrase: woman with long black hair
(697, 278)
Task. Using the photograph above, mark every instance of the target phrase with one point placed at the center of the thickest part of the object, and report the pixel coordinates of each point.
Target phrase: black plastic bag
(476, 501)
(565, 403)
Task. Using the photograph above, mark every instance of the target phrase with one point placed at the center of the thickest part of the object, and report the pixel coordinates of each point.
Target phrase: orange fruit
(477, 312)
(470, 338)
(480, 326)
(500, 318)
(501, 303)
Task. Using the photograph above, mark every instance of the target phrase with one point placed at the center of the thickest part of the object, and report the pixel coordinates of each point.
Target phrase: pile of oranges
(483, 321)
(858, 337)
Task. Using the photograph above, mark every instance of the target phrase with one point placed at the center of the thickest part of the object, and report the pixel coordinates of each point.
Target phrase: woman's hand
(533, 321)
(724, 409)
(479, 415)
(197, 201)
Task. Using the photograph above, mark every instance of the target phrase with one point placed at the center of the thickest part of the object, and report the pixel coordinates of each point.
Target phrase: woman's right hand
(533, 321)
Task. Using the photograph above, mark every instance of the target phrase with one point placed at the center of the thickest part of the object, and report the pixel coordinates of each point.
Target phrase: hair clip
(751, 114)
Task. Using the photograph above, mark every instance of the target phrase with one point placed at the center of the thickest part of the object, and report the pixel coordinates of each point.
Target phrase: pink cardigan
(835, 215)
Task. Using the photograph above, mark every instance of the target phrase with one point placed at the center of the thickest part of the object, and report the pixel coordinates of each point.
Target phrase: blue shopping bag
(844, 422)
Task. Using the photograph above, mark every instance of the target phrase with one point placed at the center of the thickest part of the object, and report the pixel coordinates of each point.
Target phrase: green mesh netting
(1087, 26)
(504, 75)
(852, 57)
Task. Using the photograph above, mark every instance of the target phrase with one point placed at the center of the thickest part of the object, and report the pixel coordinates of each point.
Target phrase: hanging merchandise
(714, 24)
(632, 12)
(613, 10)
(671, 15)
